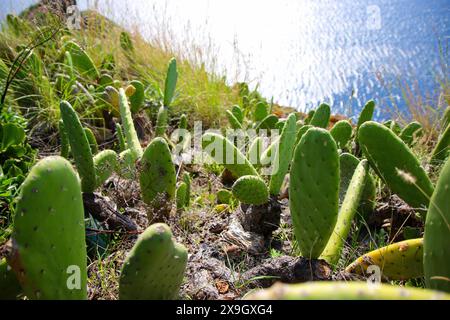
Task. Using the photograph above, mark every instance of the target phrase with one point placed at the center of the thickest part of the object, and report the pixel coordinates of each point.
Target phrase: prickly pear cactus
(238, 113)
(411, 133)
(10, 287)
(48, 242)
(234, 122)
(254, 151)
(437, 235)
(187, 181)
(366, 113)
(224, 152)
(348, 164)
(126, 167)
(64, 140)
(331, 290)
(321, 116)
(301, 132)
(442, 149)
(161, 122)
(224, 196)
(105, 163)
(261, 111)
(400, 170)
(181, 195)
(154, 268)
(80, 147)
(157, 173)
(92, 141)
(314, 191)
(171, 82)
(251, 190)
(128, 125)
(267, 123)
(121, 138)
(283, 156)
(137, 99)
(398, 261)
(82, 62)
(342, 132)
(332, 251)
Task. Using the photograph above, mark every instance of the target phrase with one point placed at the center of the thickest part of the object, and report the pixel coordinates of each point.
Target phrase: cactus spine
(283, 155)
(251, 190)
(80, 147)
(377, 141)
(154, 268)
(224, 152)
(437, 235)
(332, 251)
(398, 261)
(328, 290)
(128, 126)
(157, 173)
(314, 191)
(48, 242)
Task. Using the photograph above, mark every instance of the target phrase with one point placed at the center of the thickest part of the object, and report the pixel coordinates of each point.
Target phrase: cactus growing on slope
(342, 132)
(283, 155)
(157, 174)
(154, 268)
(80, 147)
(81, 60)
(377, 141)
(137, 98)
(321, 116)
(314, 191)
(64, 140)
(437, 235)
(398, 261)
(251, 190)
(327, 290)
(332, 251)
(92, 141)
(224, 152)
(105, 163)
(442, 149)
(48, 242)
(128, 126)
(366, 113)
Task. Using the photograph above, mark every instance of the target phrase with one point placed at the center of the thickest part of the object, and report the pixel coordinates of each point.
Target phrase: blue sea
(303, 52)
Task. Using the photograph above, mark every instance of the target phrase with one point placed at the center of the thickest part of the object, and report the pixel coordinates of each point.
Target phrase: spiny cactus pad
(348, 164)
(181, 195)
(327, 290)
(171, 82)
(79, 144)
(398, 261)
(157, 173)
(105, 164)
(64, 140)
(332, 251)
(251, 190)
(321, 116)
(442, 149)
(128, 125)
(49, 235)
(9, 285)
(224, 152)
(154, 268)
(392, 160)
(342, 132)
(137, 99)
(161, 122)
(437, 235)
(92, 141)
(283, 156)
(366, 113)
(314, 191)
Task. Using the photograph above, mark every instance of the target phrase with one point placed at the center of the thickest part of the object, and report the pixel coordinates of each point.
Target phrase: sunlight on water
(304, 52)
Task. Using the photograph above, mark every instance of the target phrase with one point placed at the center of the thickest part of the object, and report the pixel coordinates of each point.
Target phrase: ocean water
(304, 52)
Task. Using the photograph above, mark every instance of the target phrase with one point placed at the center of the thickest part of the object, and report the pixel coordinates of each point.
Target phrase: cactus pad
(251, 190)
